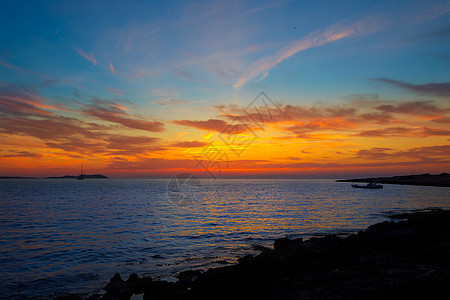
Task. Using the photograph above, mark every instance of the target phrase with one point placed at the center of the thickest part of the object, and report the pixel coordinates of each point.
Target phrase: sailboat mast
(81, 177)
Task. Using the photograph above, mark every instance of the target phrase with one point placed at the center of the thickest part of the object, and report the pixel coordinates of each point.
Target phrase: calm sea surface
(63, 235)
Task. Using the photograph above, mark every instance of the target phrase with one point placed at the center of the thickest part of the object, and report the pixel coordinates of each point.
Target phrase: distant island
(423, 179)
(85, 176)
(55, 177)
(16, 177)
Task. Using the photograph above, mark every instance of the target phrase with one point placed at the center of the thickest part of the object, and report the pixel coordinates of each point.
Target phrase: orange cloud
(189, 144)
(427, 154)
(217, 125)
(336, 137)
(18, 154)
(15, 100)
(209, 125)
(111, 112)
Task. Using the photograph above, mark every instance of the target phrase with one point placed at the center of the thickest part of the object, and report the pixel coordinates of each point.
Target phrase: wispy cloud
(341, 30)
(47, 127)
(111, 68)
(25, 113)
(437, 89)
(89, 56)
(114, 113)
(418, 108)
(115, 91)
(385, 132)
(209, 125)
(74, 135)
(428, 153)
(364, 116)
(184, 74)
(170, 101)
(442, 33)
(142, 72)
(215, 125)
(14, 67)
(317, 38)
(19, 154)
(196, 11)
(22, 100)
(188, 144)
(269, 6)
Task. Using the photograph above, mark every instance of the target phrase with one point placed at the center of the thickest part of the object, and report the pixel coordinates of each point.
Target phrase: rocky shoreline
(442, 179)
(408, 257)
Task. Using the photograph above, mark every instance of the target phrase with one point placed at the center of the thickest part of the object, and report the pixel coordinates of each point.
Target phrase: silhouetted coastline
(84, 176)
(391, 260)
(55, 177)
(423, 180)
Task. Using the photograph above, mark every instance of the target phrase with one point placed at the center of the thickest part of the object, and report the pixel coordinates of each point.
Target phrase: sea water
(63, 235)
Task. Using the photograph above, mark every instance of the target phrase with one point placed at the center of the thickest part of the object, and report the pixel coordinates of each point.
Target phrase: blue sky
(195, 50)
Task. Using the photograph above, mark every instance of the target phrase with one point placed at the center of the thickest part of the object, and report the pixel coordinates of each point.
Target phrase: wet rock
(116, 279)
(246, 259)
(189, 274)
(117, 288)
(260, 248)
(282, 244)
(133, 279)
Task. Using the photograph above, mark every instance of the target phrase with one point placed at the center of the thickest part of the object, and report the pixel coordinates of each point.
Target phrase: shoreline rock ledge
(441, 180)
(407, 258)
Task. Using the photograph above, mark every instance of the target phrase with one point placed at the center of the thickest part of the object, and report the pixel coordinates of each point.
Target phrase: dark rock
(260, 248)
(189, 274)
(117, 290)
(116, 279)
(133, 279)
(282, 244)
(246, 259)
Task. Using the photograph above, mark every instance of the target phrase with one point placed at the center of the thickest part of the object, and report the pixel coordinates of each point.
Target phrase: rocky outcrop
(424, 180)
(390, 260)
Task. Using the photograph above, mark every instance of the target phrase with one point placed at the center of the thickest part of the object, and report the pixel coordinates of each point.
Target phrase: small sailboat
(81, 176)
(370, 185)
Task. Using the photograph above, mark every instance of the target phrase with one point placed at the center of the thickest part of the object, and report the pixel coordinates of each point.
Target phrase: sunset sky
(307, 89)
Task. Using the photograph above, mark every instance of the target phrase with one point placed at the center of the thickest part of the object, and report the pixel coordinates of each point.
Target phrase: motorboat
(370, 185)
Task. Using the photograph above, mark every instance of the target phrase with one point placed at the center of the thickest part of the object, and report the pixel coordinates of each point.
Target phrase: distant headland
(423, 179)
(56, 177)
(85, 176)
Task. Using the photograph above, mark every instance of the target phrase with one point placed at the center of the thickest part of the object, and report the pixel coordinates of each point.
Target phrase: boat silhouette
(370, 185)
(81, 176)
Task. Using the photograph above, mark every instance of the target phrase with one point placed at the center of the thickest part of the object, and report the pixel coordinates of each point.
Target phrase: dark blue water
(71, 236)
